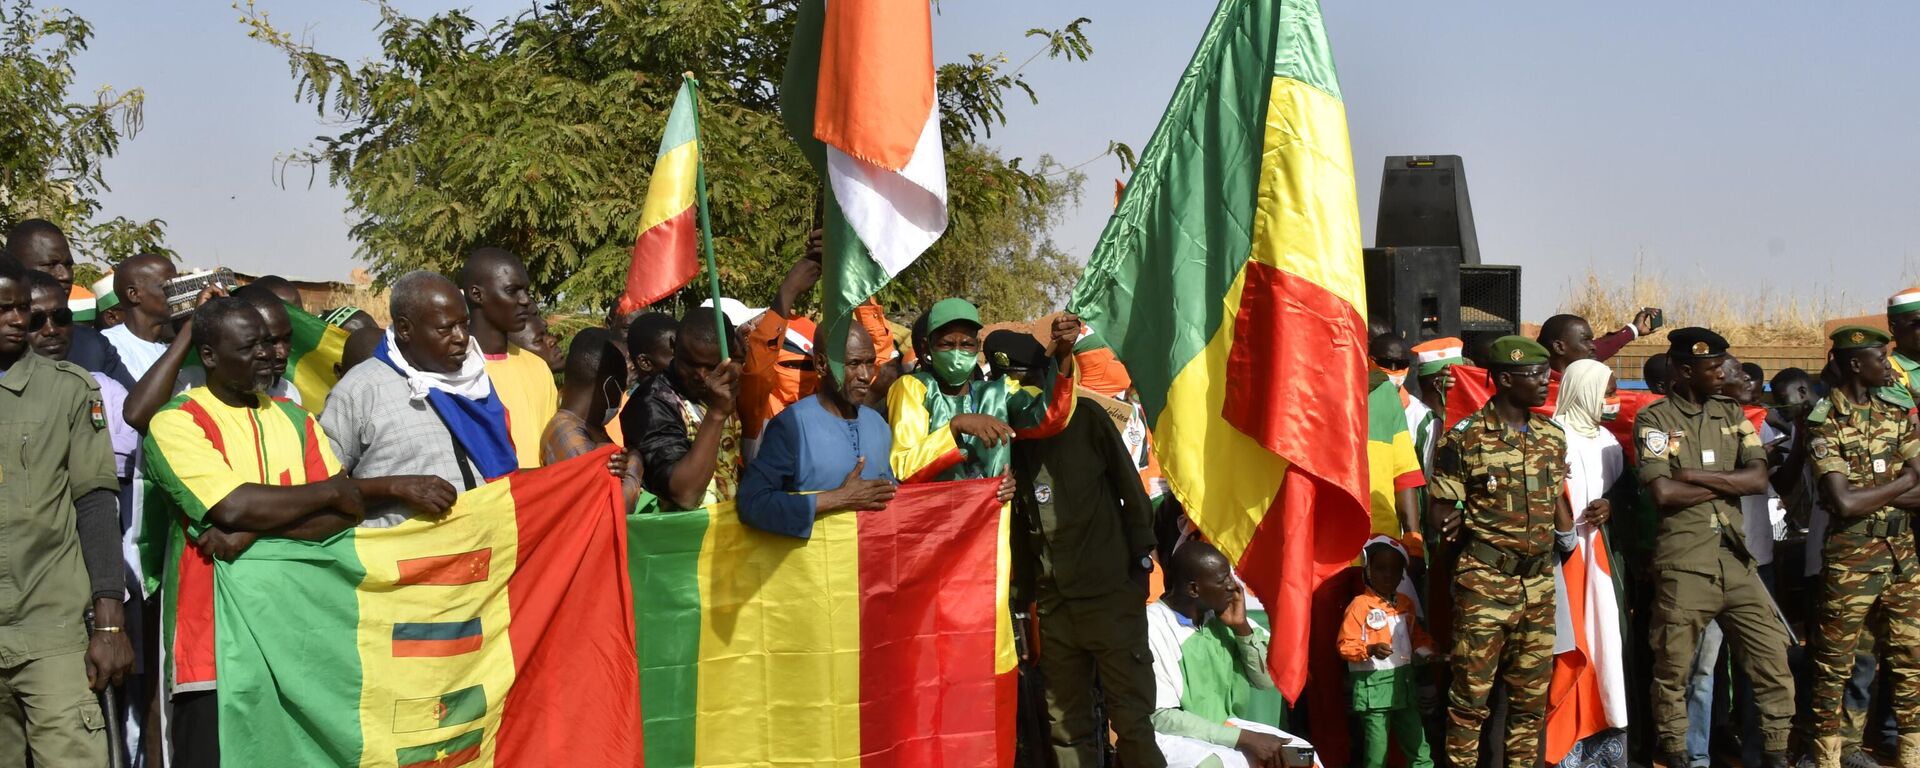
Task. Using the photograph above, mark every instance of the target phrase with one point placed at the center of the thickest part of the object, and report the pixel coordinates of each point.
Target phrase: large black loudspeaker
(1423, 201)
(1416, 290)
(1489, 306)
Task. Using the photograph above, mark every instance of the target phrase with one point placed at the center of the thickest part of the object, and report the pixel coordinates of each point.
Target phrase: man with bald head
(41, 247)
(423, 405)
(146, 326)
(172, 373)
(494, 283)
(823, 454)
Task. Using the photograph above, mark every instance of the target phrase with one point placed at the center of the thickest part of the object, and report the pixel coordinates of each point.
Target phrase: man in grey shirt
(376, 422)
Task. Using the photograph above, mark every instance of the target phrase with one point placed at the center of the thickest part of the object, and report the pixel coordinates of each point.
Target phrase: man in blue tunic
(825, 453)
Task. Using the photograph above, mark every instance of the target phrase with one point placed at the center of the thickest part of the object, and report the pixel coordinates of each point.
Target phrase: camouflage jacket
(1870, 445)
(1510, 482)
(1674, 433)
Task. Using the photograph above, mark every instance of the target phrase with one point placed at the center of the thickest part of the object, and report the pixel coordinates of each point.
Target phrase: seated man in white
(1207, 658)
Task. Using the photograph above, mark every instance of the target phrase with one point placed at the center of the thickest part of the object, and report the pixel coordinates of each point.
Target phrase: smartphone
(1297, 757)
(1659, 317)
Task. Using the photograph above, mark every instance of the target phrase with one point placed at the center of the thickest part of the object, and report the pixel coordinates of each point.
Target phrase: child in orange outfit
(1385, 649)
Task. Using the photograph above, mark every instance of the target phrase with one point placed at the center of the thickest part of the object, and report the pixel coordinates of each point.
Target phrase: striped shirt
(198, 451)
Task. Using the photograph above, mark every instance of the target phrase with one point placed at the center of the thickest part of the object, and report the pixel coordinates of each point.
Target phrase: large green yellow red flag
(497, 635)
(1229, 280)
(666, 252)
(858, 99)
(883, 640)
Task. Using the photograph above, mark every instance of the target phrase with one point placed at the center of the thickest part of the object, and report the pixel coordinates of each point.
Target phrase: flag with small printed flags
(496, 635)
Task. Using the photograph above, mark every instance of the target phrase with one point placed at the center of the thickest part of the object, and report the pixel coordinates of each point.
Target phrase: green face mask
(953, 366)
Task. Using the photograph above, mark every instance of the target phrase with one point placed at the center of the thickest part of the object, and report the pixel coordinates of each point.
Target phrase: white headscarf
(1583, 393)
(470, 381)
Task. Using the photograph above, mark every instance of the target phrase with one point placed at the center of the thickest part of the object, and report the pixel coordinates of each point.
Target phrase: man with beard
(829, 443)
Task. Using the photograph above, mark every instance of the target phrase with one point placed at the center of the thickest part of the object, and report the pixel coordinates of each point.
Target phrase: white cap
(737, 313)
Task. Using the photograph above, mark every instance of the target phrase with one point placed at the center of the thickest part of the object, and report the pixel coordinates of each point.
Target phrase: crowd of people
(142, 440)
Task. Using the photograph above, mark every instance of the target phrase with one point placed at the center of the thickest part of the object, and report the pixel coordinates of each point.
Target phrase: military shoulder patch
(1655, 442)
(98, 413)
(1819, 448)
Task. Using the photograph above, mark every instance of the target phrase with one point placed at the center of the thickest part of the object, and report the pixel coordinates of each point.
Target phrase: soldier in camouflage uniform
(1862, 449)
(1698, 455)
(1499, 492)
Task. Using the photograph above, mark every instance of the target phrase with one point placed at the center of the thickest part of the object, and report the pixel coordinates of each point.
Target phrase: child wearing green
(1386, 649)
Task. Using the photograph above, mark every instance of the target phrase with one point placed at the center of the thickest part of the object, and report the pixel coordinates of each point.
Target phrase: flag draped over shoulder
(1229, 280)
(666, 253)
(495, 636)
(882, 641)
(857, 97)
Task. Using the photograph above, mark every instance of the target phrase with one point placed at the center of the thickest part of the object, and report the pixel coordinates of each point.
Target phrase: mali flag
(1229, 280)
(882, 641)
(857, 97)
(666, 253)
(495, 636)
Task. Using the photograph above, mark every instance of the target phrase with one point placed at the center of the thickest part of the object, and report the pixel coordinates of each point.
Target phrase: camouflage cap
(1517, 350)
(1848, 337)
(1690, 344)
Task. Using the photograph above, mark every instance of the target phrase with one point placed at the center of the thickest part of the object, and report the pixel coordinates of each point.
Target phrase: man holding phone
(1569, 338)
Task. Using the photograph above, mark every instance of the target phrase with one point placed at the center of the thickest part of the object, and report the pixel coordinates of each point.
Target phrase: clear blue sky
(1759, 144)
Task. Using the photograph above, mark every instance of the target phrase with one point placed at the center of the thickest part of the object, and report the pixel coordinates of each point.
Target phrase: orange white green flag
(1229, 280)
(666, 252)
(858, 99)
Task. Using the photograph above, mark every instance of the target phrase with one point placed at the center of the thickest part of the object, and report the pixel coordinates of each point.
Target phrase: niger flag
(1229, 280)
(858, 99)
(666, 254)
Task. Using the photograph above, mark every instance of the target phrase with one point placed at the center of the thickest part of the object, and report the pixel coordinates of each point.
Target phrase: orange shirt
(1394, 624)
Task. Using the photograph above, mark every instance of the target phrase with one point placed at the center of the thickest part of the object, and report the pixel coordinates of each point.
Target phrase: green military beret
(1858, 337)
(1517, 350)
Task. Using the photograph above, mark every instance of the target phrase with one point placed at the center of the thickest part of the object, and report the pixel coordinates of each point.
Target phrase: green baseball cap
(1848, 337)
(1518, 350)
(948, 311)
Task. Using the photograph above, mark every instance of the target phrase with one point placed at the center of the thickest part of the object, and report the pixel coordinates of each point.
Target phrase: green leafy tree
(52, 148)
(538, 133)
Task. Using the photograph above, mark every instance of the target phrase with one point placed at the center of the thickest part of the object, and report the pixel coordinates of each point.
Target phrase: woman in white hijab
(1587, 705)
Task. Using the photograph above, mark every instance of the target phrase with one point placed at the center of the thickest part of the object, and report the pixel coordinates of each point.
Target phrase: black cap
(1014, 351)
(1690, 344)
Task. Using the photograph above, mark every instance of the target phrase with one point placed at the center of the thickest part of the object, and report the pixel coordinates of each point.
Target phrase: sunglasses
(61, 318)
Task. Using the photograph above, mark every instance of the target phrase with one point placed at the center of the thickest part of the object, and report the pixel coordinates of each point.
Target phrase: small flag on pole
(666, 252)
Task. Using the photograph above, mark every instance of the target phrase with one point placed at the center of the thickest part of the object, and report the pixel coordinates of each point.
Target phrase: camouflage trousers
(1502, 627)
(1684, 602)
(1886, 603)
